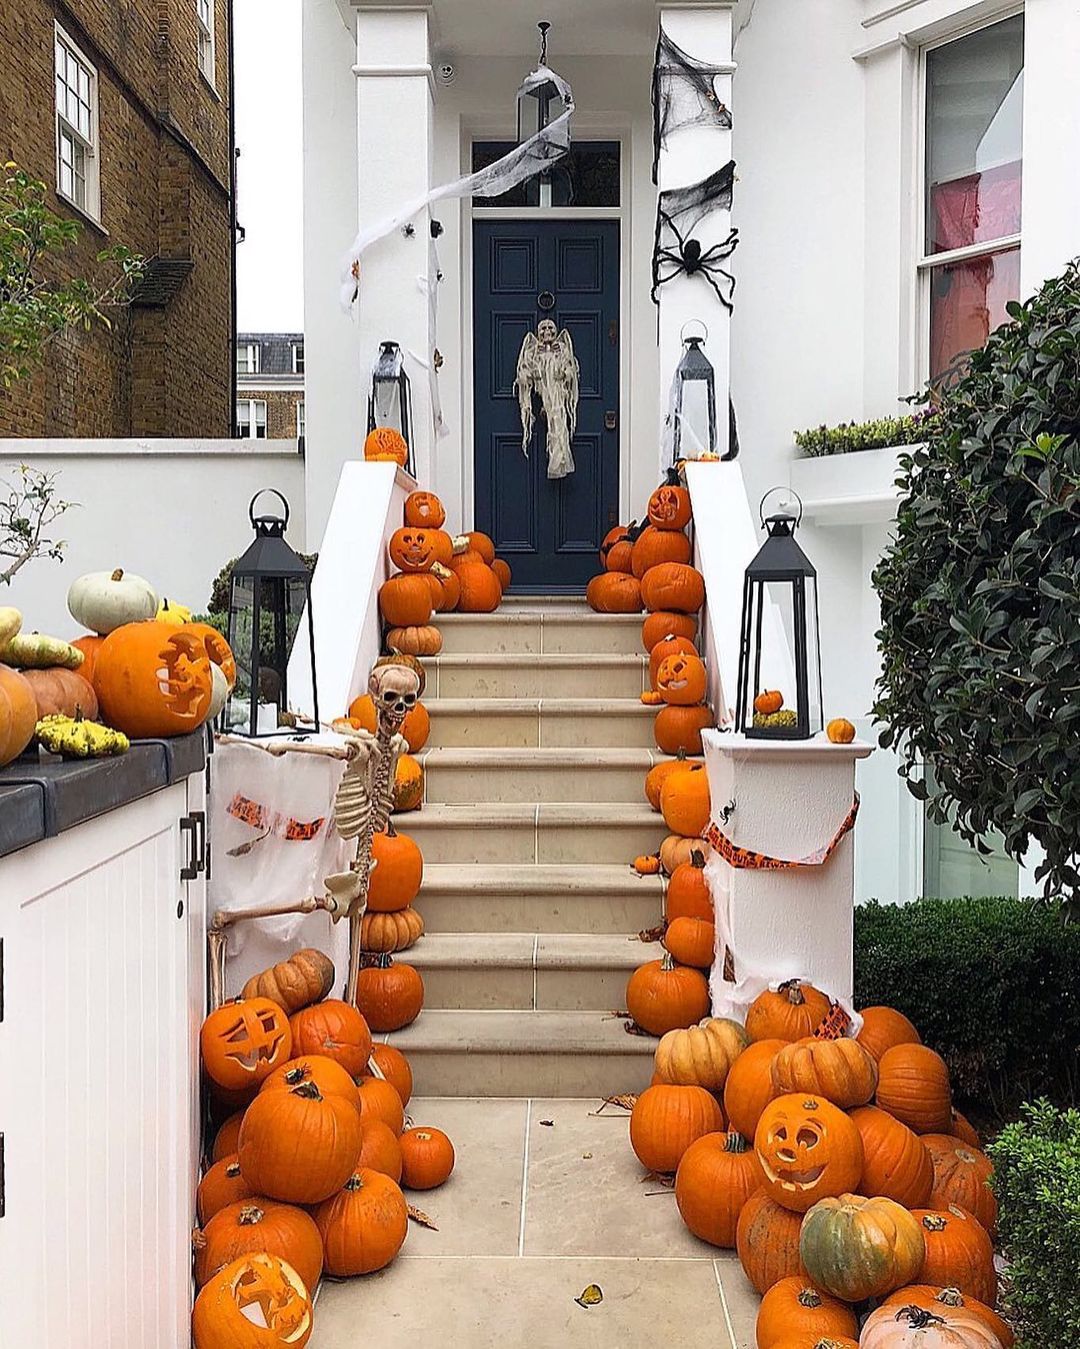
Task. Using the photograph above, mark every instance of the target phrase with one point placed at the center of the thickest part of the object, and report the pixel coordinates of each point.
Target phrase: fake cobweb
(683, 95)
(677, 250)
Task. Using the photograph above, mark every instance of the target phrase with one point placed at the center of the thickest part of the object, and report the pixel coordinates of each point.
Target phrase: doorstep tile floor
(546, 1198)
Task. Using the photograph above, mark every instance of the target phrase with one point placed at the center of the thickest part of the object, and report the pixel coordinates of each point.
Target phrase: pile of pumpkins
(856, 1196)
(436, 573)
(87, 697)
(306, 1177)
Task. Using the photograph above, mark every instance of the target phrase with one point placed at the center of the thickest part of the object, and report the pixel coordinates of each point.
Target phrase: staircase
(534, 808)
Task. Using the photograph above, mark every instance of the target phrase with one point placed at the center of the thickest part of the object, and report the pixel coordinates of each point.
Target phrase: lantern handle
(791, 493)
(258, 494)
(701, 324)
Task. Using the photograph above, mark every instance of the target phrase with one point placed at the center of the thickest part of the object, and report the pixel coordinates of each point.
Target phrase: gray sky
(269, 133)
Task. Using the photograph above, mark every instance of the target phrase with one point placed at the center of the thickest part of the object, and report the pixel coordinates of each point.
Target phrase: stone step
(548, 722)
(545, 603)
(525, 675)
(464, 776)
(497, 898)
(559, 972)
(556, 632)
(524, 1053)
(563, 832)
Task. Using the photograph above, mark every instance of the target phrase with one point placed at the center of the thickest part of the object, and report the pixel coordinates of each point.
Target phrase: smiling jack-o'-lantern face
(256, 1301)
(153, 679)
(412, 550)
(244, 1041)
(808, 1150)
(681, 679)
(669, 508)
(424, 510)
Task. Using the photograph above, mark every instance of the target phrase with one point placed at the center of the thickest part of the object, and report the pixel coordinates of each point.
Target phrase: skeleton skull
(394, 690)
(547, 332)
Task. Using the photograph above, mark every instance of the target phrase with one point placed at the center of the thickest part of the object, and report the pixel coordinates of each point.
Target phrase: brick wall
(164, 166)
(280, 410)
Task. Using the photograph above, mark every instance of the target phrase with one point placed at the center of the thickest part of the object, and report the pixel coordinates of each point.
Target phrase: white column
(702, 31)
(1051, 202)
(395, 121)
(790, 799)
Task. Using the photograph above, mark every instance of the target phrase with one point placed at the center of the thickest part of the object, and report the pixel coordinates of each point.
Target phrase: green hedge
(881, 433)
(1037, 1180)
(991, 984)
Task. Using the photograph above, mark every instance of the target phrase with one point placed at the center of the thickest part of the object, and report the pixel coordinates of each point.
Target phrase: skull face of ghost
(394, 690)
(547, 333)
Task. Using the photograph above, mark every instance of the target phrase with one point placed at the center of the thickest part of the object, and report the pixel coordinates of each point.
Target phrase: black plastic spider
(688, 259)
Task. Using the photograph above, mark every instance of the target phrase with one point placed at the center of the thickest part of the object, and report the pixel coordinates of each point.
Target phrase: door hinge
(194, 825)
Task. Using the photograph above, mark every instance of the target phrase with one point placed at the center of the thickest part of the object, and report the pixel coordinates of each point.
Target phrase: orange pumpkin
(398, 873)
(840, 1070)
(408, 784)
(673, 585)
(795, 1010)
(679, 728)
(963, 1129)
(681, 679)
(665, 623)
(663, 996)
(416, 727)
(613, 592)
(62, 692)
(647, 865)
(298, 1145)
(658, 774)
(654, 546)
(941, 1301)
(666, 1119)
(749, 1086)
(480, 589)
(405, 601)
(227, 1137)
(223, 1184)
(962, 1176)
(688, 891)
(379, 1149)
(395, 1069)
(379, 1100)
(768, 701)
(795, 1307)
(255, 1302)
(669, 507)
(669, 645)
(959, 1253)
(384, 444)
(450, 587)
(913, 1085)
(424, 510)
(153, 679)
(717, 1174)
(619, 556)
(858, 1248)
(327, 1074)
(90, 645)
(691, 941)
(412, 549)
(615, 535)
(884, 1027)
(767, 1241)
(334, 1030)
(466, 557)
(243, 1041)
(503, 572)
(840, 731)
(895, 1162)
(427, 1158)
(424, 640)
(389, 994)
(364, 1225)
(482, 544)
(808, 1149)
(251, 1225)
(217, 648)
(390, 931)
(684, 800)
(18, 714)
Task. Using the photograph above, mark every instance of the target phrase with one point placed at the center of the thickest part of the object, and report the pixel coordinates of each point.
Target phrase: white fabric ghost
(547, 366)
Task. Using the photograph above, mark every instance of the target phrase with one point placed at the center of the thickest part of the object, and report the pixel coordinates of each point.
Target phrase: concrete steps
(520, 723)
(585, 832)
(457, 776)
(482, 675)
(535, 631)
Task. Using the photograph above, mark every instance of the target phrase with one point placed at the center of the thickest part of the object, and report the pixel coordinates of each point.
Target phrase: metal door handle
(611, 421)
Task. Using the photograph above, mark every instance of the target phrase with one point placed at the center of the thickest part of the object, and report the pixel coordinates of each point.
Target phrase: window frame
(927, 263)
(301, 419)
(298, 358)
(206, 43)
(252, 419)
(253, 367)
(91, 205)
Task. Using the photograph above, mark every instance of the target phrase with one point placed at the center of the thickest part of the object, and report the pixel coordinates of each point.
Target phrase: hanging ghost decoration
(547, 367)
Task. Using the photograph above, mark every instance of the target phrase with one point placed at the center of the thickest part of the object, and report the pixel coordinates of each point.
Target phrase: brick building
(270, 386)
(123, 107)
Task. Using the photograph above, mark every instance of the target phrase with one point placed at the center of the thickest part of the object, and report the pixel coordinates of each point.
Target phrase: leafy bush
(980, 592)
(992, 984)
(873, 435)
(1037, 1179)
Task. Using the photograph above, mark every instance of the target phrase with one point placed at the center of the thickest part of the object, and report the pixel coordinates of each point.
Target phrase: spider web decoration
(676, 252)
(683, 95)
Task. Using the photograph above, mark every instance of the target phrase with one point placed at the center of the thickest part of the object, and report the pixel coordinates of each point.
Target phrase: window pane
(967, 302)
(974, 135)
(588, 176)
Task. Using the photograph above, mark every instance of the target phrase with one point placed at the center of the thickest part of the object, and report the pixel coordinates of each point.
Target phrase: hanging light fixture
(390, 399)
(780, 575)
(693, 400)
(268, 594)
(539, 100)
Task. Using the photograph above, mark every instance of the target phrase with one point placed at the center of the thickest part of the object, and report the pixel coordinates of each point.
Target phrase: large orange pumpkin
(673, 585)
(691, 941)
(658, 774)
(18, 714)
(386, 444)
(335, 1030)
(298, 1145)
(959, 1252)
(663, 996)
(665, 623)
(767, 1241)
(962, 1176)
(840, 1070)
(481, 592)
(688, 891)
(669, 645)
(424, 510)
(405, 601)
(681, 679)
(684, 800)
(327, 1074)
(808, 1149)
(791, 1012)
(257, 1302)
(613, 592)
(895, 1162)
(749, 1086)
(654, 546)
(243, 1041)
(717, 1174)
(364, 1225)
(153, 679)
(422, 641)
(795, 1307)
(305, 977)
(666, 1119)
(884, 1027)
(389, 994)
(259, 1225)
(679, 728)
(669, 507)
(913, 1085)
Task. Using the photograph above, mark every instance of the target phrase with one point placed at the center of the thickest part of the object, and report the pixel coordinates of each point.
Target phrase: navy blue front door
(549, 531)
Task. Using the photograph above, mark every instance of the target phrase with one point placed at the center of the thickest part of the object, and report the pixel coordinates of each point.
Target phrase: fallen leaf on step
(625, 1101)
(666, 1182)
(548, 1123)
(419, 1216)
(650, 934)
(632, 1028)
(591, 1296)
(586, 1156)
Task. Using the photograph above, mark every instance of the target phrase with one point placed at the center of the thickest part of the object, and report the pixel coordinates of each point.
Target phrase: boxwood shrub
(992, 984)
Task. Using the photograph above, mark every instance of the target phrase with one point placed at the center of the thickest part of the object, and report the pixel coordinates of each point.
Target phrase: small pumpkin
(691, 941)
(153, 679)
(666, 623)
(327, 1074)
(481, 592)
(669, 507)
(334, 1029)
(673, 585)
(380, 1100)
(501, 568)
(895, 1162)
(104, 601)
(808, 1149)
(679, 728)
(717, 1174)
(424, 510)
(18, 714)
(408, 784)
(395, 1069)
(768, 701)
(959, 1252)
(840, 731)
(884, 1027)
(298, 1145)
(652, 698)
(389, 994)
(169, 611)
(391, 931)
(943, 1301)
(658, 774)
(840, 1070)
(62, 693)
(251, 1225)
(222, 1185)
(257, 1302)
(399, 871)
(364, 1225)
(767, 1241)
(427, 1157)
(913, 1085)
(656, 546)
(243, 1041)
(617, 534)
(423, 640)
(405, 601)
(647, 865)
(614, 592)
(702, 1055)
(793, 1011)
(962, 1175)
(304, 978)
(688, 891)
(386, 445)
(795, 1307)
(412, 549)
(858, 1248)
(684, 800)
(914, 1327)
(666, 1119)
(380, 1149)
(620, 555)
(749, 1086)
(674, 852)
(483, 544)
(663, 996)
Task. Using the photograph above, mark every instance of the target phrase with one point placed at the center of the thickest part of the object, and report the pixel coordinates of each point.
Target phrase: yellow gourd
(73, 738)
(171, 612)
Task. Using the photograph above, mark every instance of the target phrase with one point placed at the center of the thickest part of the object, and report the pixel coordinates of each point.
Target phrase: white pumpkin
(10, 623)
(103, 601)
(892, 1327)
(219, 692)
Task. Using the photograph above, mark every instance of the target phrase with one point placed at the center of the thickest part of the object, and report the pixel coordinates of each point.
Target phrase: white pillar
(790, 799)
(1051, 200)
(702, 31)
(395, 120)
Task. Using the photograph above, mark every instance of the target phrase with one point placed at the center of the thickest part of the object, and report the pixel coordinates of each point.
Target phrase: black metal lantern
(539, 100)
(781, 575)
(693, 402)
(390, 399)
(269, 592)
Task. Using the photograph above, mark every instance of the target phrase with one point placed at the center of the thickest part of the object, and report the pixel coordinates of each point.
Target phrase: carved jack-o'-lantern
(808, 1150)
(681, 680)
(412, 549)
(256, 1301)
(243, 1042)
(424, 510)
(669, 508)
(153, 679)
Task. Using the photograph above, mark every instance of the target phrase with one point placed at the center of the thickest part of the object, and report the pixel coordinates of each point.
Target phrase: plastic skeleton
(547, 366)
(365, 797)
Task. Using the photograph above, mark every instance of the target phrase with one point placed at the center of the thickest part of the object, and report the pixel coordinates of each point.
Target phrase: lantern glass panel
(241, 629)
